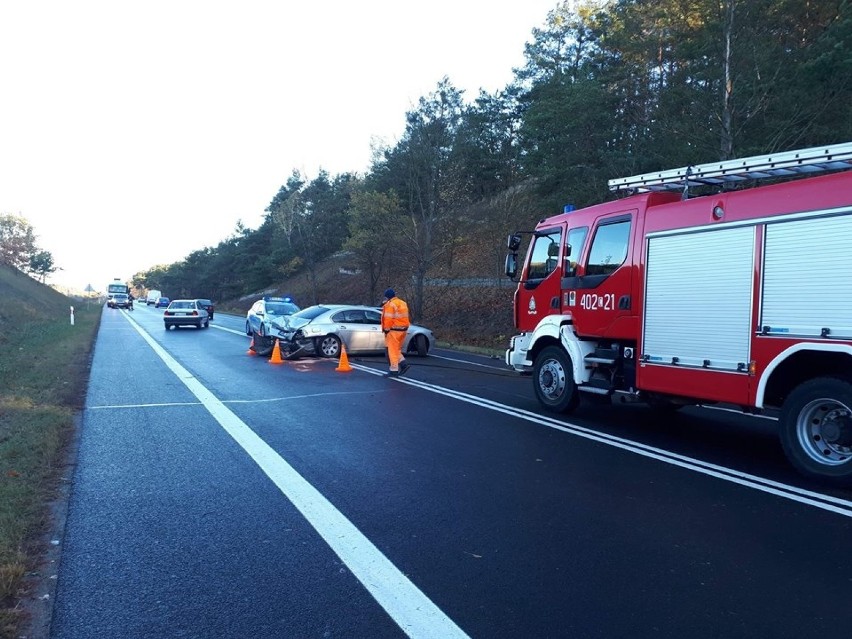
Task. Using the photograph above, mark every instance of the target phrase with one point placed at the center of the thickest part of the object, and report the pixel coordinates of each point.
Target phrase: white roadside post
(72, 316)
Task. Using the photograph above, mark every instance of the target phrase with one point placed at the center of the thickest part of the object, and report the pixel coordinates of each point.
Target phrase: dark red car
(208, 306)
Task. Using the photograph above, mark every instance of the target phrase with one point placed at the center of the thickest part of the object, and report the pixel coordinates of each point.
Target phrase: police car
(267, 317)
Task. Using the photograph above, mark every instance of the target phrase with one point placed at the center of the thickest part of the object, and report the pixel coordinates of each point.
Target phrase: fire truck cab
(741, 297)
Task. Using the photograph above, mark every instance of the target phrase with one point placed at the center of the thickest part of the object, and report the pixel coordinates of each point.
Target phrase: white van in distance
(152, 297)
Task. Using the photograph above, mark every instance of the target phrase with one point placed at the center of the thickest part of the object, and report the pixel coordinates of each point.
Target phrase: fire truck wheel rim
(552, 379)
(824, 430)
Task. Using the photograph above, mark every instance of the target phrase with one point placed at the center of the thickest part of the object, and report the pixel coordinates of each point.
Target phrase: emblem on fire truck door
(531, 310)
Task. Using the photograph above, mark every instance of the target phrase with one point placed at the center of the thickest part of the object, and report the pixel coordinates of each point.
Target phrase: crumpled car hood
(291, 323)
(281, 322)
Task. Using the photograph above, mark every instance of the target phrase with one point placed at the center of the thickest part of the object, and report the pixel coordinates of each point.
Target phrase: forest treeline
(608, 89)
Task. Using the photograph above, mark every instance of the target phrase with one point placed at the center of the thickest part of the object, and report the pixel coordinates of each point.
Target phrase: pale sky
(133, 133)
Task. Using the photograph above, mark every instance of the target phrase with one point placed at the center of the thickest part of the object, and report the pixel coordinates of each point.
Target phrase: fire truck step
(594, 390)
(594, 359)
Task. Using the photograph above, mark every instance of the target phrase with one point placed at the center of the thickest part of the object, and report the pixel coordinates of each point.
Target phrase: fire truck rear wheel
(816, 429)
(553, 380)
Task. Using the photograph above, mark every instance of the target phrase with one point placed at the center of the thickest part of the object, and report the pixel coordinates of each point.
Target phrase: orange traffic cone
(276, 355)
(343, 366)
(251, 350)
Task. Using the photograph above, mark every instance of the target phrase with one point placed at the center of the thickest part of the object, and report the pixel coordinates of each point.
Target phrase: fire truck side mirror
(514, 242)
(511, 265)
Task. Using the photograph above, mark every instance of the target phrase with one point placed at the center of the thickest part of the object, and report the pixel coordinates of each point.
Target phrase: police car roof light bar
(818, 159)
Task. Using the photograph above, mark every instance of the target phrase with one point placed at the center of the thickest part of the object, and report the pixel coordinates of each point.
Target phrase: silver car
(119, 300)
(320, 330)
(186, 313)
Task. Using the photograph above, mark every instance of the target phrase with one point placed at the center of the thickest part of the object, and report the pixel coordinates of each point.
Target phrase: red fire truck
(739, 297)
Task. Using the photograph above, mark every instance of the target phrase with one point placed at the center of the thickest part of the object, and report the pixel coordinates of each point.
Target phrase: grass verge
(44, 370)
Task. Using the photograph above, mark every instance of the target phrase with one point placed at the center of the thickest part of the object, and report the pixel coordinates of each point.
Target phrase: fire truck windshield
(544, 254)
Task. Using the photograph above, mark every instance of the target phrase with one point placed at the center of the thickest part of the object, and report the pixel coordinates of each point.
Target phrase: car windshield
(311, 312)
(281, 308)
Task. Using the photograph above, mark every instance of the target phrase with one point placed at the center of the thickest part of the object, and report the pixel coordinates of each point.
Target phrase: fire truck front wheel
(816, 429)
(553, 380)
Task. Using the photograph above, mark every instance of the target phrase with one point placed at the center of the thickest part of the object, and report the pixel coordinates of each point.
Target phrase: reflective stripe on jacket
(395, 315)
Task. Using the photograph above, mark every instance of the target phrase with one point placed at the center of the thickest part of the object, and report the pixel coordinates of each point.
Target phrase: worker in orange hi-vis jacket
(395, 325)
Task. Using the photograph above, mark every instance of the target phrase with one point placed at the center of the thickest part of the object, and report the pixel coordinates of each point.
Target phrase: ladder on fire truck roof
(775, 165)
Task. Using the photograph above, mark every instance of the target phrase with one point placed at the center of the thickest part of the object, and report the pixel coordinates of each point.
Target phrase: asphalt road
(218, 495)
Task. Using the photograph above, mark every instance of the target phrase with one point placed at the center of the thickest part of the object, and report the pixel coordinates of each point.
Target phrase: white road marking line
(738, 412)
(229, 330)
(232, 401)
(406, 604)
(793, 493)
(291, 397)
(464, 361)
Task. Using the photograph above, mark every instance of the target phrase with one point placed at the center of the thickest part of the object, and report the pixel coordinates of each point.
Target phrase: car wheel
(421, 345)
(328, 346)
(207, 323)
